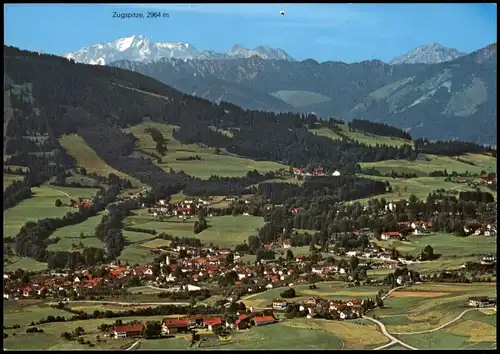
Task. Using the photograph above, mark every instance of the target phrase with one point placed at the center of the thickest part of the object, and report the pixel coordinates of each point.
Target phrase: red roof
(241, 318)
(213, 321)
(299, 256)
(392, 233)
(183, 209)
(319, 169)
(175, 322)
(130, 328)
(264, 319)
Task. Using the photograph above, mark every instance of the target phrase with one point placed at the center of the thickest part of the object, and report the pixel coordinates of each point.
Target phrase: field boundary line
(442, 326)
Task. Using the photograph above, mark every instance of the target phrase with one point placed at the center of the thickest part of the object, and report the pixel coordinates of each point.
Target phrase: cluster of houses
(338, 309)
(487, 179)
(198, 322)
(318, 171)
(482, 301)
(418, 227)
(489, 259)
(184, 209)
(84, 203)
(51, 284)
(486, 230)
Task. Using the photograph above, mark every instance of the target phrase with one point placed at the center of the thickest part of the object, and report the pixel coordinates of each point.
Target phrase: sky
(323, 32)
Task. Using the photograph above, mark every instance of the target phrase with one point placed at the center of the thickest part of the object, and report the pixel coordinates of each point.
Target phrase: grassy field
(485, 161)
(328, 290)
(136, 254)
(86, 157)
(227, 231)
(224, 231)
(71, 234)
(24, 312)
(135, 237)
(24, 263)
(434, 163)
(362, 137)
(41, 206)
(420, 186)
(426, 306)
(443, 339)
(51, 338)
(156, 243)
(445, 244)
(222, 164)
(279, 336)
(9, 179)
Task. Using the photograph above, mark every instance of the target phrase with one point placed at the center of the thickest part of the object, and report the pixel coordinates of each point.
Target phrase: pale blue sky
(339, 32)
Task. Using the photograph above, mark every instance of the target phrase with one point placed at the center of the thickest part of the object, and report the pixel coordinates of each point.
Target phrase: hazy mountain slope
(344, 84)
(452, 100)
(441, 101)
(433, 53)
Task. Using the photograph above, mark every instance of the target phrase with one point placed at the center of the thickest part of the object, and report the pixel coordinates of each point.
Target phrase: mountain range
(433, 53)
(140, 48)
(432, 91)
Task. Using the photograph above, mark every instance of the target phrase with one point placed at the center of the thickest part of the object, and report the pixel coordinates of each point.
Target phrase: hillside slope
(98, 102)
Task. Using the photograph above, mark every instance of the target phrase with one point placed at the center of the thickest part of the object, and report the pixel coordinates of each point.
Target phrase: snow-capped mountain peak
(141, 48)
(432, 53)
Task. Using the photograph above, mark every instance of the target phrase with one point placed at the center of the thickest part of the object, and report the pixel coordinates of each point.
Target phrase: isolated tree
(289, 293)
(58, 203)
(289, 255)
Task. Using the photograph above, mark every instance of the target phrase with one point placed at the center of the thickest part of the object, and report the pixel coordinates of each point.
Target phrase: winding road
(133, 346)
(395, 340)
(440, 327)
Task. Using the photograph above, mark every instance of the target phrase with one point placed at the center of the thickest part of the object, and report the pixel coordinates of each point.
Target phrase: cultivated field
(41, 206)
(405, 311)
(362, 137)
(86, 157)
(223, 164)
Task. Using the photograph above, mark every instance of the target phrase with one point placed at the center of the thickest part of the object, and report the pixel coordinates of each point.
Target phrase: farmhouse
(263, 320)
(212, 323)
(478, 301)
(243, 321)
(391, 236)
(174, 325)
(128, 331)
(280, 304)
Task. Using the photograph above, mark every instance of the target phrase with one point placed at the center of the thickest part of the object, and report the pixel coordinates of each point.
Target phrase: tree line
(378, 129)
